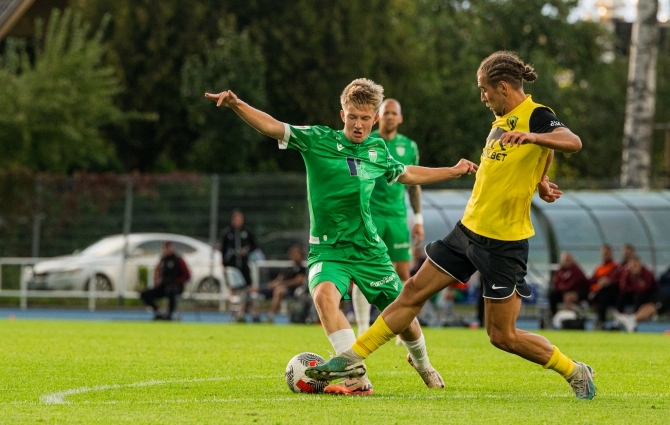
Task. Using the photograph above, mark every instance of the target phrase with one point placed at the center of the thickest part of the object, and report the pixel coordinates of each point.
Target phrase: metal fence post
(24, 289)
(91, 291)
(213, 221)
(37, 219)
(127, 222)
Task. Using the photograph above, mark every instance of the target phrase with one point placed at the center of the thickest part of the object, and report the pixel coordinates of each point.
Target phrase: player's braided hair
(506, 66)
(363, 93)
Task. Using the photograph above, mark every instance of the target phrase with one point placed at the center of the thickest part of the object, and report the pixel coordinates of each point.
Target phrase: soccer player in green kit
(387, 206)
(342, 166)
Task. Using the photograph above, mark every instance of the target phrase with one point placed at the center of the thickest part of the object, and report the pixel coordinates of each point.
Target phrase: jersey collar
(520, 106)
(370, 140)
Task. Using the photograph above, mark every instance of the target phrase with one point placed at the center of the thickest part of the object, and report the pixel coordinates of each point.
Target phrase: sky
(588, 10)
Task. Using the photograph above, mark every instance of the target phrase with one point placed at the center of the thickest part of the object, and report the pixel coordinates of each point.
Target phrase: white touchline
(59, 397)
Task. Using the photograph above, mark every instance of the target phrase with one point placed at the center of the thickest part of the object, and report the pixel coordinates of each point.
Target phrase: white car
(103, 262)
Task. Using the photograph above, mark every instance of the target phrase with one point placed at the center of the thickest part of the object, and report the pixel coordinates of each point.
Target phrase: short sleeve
(416, 153)
(543, 120)
(298, 137)
(394, 169)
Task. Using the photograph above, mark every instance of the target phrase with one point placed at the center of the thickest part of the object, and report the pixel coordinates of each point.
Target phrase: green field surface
(179, 373)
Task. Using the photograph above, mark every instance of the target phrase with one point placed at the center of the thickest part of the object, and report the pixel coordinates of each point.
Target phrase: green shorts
(374, 276)
(395, 234)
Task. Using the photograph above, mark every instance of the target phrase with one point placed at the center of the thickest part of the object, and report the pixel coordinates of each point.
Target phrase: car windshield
(103, 247)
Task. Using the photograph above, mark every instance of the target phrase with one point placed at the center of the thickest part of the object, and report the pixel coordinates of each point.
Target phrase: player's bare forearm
(415, 198)
(261, 121)
(422, 175)
(561, 139)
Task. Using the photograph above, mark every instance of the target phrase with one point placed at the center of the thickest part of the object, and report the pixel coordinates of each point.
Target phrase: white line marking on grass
(59, 397)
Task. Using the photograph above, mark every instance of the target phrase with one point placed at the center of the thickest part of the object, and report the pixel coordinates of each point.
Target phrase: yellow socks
(378, 335)
(560, 363)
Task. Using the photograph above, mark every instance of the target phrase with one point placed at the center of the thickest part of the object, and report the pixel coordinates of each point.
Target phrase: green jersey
(340, 179)
(388, 200)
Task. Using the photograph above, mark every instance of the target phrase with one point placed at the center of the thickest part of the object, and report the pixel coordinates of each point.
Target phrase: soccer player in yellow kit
(493, 235)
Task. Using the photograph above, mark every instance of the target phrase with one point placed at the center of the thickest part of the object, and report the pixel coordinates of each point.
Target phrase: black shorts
(502, 264)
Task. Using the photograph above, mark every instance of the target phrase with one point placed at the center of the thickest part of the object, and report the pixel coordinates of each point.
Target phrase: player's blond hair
(363, 94)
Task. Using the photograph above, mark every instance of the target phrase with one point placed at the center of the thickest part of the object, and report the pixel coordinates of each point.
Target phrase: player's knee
(410, 294)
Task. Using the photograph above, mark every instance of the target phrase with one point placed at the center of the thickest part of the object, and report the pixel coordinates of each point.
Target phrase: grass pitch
(130, 372)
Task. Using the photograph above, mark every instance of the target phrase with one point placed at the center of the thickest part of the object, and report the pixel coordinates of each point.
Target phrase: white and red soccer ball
(296, 379)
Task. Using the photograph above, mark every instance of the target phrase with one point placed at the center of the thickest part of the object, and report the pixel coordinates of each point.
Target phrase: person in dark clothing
(236, 244)
(569, 284)
(637, 286)
(605, 287)
(170, 275)
(285, 284)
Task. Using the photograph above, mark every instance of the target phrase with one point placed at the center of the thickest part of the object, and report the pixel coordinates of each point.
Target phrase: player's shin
(378, 335)
(560, 363)
(342, 340)
(417, 350)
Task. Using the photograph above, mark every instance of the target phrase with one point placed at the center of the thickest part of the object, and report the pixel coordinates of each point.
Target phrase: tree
(640, 99)
(224, 142)
(53, 105)
(148, 42)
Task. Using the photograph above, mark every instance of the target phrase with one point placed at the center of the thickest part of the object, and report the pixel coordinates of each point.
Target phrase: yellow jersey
(499, 207)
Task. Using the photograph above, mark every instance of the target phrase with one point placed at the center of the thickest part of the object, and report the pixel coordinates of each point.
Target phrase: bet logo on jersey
(490, 149)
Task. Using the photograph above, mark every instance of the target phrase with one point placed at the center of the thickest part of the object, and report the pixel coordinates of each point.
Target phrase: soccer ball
(296, 379)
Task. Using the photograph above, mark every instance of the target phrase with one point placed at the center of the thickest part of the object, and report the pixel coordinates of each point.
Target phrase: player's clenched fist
(466, 167)
(226, 98)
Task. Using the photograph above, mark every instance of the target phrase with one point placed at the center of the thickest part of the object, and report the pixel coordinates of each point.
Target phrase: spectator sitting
(650, 304)
(169, 277)
(604, 294)
(637, 286)
(285, 284)
(646, 311)
(569, 284)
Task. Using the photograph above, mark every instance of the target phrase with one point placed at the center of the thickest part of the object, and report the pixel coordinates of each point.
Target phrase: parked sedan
(102, 263)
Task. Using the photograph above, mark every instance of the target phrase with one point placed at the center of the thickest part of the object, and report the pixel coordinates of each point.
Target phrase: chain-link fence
(46, 215)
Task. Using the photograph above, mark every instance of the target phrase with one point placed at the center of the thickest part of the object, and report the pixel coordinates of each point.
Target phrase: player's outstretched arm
(259, 120)
(424, 175)
(561, 139)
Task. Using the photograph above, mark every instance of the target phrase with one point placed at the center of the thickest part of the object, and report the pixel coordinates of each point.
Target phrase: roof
(580, 222)
(10, 12)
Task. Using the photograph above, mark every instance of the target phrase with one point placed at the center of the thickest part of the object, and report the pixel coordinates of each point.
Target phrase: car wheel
(102, 283)
(208, 285)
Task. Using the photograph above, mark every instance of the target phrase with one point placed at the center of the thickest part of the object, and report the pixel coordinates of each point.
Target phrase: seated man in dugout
(637, 286)
(284, 285)
(604, 289)
(569, 285)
